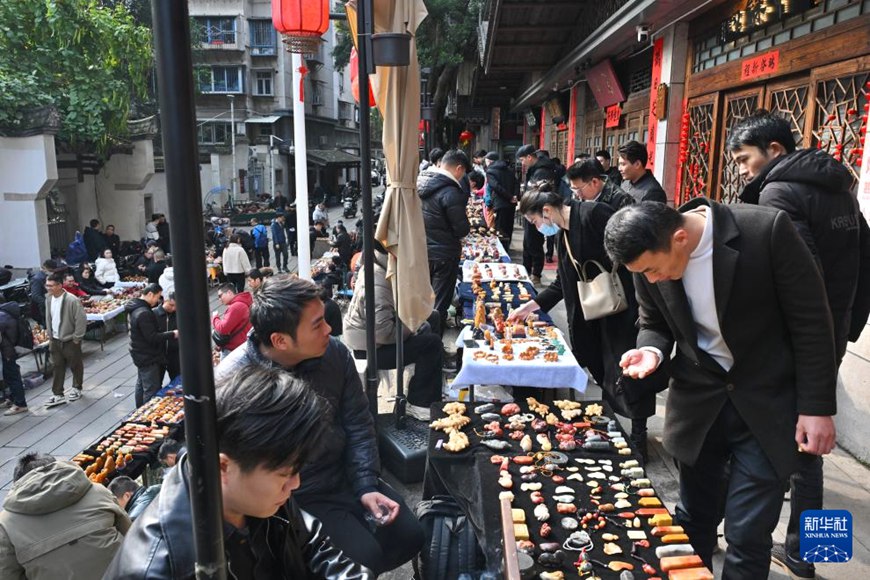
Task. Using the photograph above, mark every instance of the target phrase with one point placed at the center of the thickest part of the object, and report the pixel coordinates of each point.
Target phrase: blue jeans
(12, 378)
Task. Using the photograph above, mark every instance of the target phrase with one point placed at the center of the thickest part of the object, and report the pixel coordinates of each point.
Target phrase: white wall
(853, 399)
(668, 132)
(28, 171)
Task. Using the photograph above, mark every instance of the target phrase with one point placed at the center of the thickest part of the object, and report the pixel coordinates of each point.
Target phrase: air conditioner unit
(323, 140)
(256, 51)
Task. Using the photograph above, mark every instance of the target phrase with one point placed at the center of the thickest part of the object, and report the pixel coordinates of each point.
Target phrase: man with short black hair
(94, 240)
(147, 343)
(269, 425)
(132, 497)
(169, 451)
(234, 324)
(255, 279)
(754, 378)
(166, 322)
(814, 189)
(66, 323)
(261, 243)
(638, 181)
(341, 486)
(589, 183)
(537, 168)
(37, 290)
(610, 170)
(446, 224)
(56, 523)
(279, 241)
(501, 185)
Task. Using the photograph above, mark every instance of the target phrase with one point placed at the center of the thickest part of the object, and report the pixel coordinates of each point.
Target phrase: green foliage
(343, 44)
(448, 35)
(86, 59)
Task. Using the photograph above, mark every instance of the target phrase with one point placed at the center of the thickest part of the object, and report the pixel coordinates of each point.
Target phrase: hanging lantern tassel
(302, 22)
(302, 72)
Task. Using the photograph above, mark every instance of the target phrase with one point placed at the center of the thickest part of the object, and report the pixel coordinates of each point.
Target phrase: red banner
(542, 145)
(572, 125)
(658, 53)
(759, 65)
(612, 115)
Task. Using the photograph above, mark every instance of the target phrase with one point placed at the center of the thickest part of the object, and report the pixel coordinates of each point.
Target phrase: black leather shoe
(797, 569)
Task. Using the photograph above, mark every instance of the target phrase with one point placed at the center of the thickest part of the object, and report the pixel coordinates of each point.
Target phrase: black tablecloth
(471, 479)
(467, 298)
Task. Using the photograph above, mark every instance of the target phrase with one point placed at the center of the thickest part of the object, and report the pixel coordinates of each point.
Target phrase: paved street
(108, 396)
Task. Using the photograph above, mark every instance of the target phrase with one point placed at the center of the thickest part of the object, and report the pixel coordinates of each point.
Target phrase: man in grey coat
(66, 323)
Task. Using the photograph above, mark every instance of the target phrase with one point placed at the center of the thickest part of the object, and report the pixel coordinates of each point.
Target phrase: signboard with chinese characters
(604, 84)
(612, 114)
(758, 65)
(653, 123)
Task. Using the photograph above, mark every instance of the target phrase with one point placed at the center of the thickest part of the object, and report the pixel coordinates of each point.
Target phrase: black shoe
(449, 363)
(797, 569)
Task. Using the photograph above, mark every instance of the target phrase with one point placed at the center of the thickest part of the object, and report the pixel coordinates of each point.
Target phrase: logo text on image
(826, 536)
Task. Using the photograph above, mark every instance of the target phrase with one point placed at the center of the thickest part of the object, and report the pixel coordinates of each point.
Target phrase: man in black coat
(639, 181)
(113, 242)
(147, 343)
(9, 315)
(502, 185)
(590, 183)
(754, 376)
(94, 240)
(269, 425)
(537, 168)
(166, 322)
(814, 190)
(363, 516)
(446, 224)
(610, 171)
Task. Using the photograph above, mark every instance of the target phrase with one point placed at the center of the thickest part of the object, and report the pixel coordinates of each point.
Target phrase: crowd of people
(740, 310)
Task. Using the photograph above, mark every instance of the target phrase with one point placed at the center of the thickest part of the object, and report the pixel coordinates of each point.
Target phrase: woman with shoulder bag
(602, 309)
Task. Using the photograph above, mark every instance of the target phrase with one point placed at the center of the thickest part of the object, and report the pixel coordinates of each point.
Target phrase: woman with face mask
(596, 344)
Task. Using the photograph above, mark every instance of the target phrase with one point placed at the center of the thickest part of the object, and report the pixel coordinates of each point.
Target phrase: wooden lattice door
(792, 101)
(737, 106)
(695, 175)
(841, 111)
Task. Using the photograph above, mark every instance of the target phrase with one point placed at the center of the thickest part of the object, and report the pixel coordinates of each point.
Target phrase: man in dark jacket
(166, 322)
(113, 241)
(537, 168)
(340, 486)
(502, 185)
(163, 234)
(814, 190)
(155, 269)
(37, 290)
(94, 240)
(261, 243)
(610, 171)
(268, 424)
(590, 183)
(446, 223)
(9, 315)
(279, 241)
(131, 496)
(639, 181)
(147, 343)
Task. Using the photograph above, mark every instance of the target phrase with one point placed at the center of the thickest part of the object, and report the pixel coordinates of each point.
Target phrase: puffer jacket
(349, 455)
(9, 313)
(814, 190)
(58, 524)
(543, 170)
(235, 260)
(236, 320)
(160, 543)
(107, 271)
(167, 280)
(502, 185)
(443, 214)
(385, 309)
(147, 342)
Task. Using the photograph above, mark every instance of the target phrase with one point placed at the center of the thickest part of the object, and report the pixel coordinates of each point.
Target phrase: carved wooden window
(696, 171)
(840, 103)
(737, 107)
(792, 103)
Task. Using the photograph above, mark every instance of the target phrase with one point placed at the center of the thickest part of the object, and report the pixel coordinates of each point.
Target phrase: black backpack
(450, 547)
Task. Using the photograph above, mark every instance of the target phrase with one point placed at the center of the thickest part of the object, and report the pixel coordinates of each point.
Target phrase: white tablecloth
(105, 316)
(565, 372)
(493, 270)
(123, 284)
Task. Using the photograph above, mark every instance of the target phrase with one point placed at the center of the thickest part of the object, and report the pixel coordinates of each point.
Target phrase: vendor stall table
(500, 271)
(98, 321)
(485, 366)
(480, 248)
(604, 488)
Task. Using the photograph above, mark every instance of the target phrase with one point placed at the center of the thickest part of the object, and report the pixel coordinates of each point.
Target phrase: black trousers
(281, 256)
(442, 276)
(261, 257)
(238, 281)
(291, 240)
(380, 548)
(504, 224)
(551, 246)
(753, 498)
(533, 249)
(807, 493)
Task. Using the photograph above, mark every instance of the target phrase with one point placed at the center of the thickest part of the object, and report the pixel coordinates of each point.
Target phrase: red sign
(613, 112)
(657, 55)
(572, 122)
(759, 65)
(604, 84)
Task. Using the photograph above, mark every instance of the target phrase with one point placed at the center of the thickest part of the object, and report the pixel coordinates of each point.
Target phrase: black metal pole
(178, 121)
(364, 28)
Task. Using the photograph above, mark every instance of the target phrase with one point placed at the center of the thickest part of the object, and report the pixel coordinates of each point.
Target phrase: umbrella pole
(364, 28)
(401, 399)
(175, 84)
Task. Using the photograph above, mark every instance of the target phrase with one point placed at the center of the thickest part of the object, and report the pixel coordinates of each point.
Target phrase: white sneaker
(54, 401)
(74, 395)
(419, 413)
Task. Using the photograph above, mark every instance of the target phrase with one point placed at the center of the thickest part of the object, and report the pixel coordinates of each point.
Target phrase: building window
(213, 133)
(262, 37)
(217, 29)
(220, 79)
(263, 83)
(317, 94)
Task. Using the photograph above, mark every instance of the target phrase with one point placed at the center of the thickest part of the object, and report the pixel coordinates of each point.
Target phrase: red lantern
(465, 137)
(354, 78)
(303, 22)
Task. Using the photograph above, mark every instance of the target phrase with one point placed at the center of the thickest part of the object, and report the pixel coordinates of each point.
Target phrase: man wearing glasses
(590, 183)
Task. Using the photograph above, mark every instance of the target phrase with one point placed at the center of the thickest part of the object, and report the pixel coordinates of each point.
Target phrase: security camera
(642, 32)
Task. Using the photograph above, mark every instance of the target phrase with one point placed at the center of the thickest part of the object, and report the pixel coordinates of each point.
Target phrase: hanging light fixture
(302, 22)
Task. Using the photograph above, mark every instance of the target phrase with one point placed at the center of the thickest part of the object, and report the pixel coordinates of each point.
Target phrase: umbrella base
(403, 451)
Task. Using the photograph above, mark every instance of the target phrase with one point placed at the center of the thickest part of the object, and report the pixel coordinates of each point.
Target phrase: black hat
(492, 156)
(526, 150)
